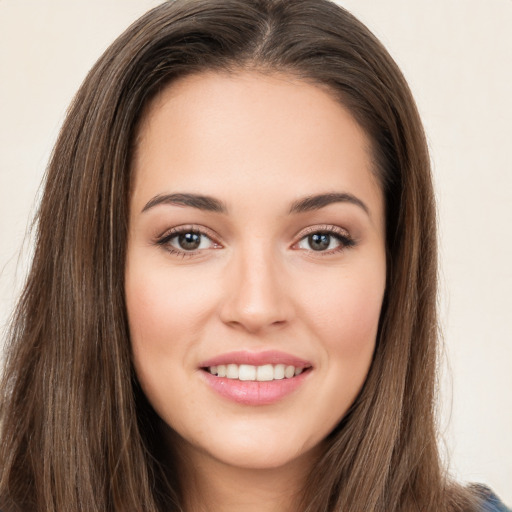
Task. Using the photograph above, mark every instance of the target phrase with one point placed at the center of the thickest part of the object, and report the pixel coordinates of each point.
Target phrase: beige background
(457, 56)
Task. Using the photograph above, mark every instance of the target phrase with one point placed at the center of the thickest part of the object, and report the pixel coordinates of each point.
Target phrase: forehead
(230, 134)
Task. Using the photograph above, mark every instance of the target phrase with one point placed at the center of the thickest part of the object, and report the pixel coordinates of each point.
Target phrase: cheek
(350, 343)
(157, 314)
(342, 316)
(164, 315)
(167, 315)
(345, 312)
(162, 305)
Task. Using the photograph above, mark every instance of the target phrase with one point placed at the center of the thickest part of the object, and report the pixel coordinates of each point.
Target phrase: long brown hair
(77, 433)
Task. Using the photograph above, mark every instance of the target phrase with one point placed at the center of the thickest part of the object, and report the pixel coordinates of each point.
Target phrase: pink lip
(256, 359)
(252, 392)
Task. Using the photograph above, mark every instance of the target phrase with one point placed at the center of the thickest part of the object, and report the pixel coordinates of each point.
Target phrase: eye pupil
(319, 241)
(189, 241)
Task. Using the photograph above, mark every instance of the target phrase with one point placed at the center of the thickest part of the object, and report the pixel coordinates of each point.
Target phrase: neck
(232, 489)
(210, 485)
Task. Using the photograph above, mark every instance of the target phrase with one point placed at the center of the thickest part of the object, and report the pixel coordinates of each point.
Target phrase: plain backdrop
(457, 57)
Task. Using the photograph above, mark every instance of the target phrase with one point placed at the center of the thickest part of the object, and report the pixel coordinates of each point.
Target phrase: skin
(257, 143)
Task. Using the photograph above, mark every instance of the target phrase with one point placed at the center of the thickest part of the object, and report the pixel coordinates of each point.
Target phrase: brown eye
(319, 241)
(326, 240)
(189, 241)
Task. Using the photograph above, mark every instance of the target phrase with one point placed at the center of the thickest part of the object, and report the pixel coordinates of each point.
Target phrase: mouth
(255, 378)
(253, 373)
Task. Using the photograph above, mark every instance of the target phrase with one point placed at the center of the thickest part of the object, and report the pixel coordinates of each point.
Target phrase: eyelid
(323, 228)
(183, 228)
(345, 239)
(164, 238)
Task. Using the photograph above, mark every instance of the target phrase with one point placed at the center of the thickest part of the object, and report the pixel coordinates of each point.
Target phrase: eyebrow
(208, 203)
(200, 202)
(319, 201)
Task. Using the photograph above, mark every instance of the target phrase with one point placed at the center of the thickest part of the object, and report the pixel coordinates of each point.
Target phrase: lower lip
(253, 392)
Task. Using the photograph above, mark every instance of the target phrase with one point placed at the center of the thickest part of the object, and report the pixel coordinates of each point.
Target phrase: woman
(232, 298)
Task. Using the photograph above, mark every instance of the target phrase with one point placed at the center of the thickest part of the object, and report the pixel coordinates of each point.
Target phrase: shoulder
(491, 503)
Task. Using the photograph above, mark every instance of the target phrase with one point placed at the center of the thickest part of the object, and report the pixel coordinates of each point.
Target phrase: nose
(256, 294)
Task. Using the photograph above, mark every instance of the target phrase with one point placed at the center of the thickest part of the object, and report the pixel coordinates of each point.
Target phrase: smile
(247, 372)
(255, 379)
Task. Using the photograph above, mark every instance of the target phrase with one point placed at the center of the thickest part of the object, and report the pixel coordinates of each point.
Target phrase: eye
(319, 242)
(186, 241)
(328, 240)
(190, 241)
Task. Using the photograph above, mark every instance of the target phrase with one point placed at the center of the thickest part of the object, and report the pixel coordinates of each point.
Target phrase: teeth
(289, 372)
(246, 372)
(264, 373)
(279, 371)
(232, 371)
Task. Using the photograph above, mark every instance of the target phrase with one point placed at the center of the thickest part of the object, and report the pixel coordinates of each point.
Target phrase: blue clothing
(491, 502)
(495, 505)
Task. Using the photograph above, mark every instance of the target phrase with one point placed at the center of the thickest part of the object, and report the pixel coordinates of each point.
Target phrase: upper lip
(256, 359)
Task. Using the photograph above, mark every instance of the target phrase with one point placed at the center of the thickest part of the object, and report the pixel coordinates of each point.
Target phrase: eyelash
(344, 239)
(341, 235)
(165, 239)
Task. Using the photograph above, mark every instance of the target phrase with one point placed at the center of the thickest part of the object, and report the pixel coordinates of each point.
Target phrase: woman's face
(256, 265)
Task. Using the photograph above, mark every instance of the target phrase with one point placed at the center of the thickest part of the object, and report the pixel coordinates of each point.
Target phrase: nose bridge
(256, 297)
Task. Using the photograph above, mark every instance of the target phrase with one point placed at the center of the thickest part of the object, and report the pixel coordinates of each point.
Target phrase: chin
(259, 450)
